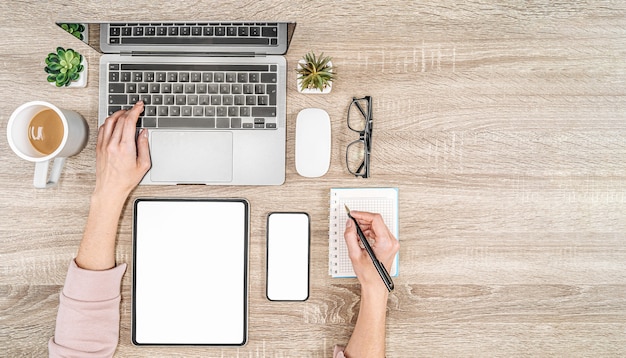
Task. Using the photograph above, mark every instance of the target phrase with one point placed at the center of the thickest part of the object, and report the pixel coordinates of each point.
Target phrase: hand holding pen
(384, 247)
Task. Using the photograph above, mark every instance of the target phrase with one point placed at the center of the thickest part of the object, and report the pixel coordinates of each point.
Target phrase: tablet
(190, 272)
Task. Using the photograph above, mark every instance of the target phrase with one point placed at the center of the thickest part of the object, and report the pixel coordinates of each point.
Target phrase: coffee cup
(41, 132)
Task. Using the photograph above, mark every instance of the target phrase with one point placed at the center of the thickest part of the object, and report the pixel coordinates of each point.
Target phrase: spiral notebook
(377, 200)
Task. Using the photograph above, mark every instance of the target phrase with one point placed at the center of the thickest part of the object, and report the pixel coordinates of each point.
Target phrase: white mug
(34, 134)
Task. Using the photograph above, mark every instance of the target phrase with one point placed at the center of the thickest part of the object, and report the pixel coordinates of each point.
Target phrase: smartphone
(287, 242)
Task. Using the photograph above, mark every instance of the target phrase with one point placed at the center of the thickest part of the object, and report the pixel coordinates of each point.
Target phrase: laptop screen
(195, 37)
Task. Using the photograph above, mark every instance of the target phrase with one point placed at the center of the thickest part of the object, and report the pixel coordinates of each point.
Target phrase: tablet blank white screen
(190, 272)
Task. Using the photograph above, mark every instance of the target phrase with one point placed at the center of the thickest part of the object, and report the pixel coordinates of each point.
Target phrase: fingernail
(145, 133)
(349, 223)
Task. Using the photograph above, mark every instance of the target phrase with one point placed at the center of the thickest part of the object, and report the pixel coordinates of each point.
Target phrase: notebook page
(377, 200)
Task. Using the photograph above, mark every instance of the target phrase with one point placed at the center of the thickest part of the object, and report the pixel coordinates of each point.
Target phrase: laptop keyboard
(261, 34)
(196, 95)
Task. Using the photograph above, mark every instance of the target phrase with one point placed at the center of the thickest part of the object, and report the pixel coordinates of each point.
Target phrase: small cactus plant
(315, 72)
(64, 66)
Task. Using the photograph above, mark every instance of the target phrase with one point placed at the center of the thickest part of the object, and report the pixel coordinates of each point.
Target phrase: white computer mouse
(312, 142)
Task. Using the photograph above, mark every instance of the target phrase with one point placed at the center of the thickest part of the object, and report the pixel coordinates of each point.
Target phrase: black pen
(384, 275)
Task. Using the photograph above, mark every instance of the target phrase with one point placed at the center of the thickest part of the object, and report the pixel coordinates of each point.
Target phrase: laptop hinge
(192, 54)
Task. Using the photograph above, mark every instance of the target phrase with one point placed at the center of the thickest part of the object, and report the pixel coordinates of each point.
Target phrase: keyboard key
(218, 77)
(231, 31)
(174, 111)
(220, 31)
(270, 125)
(183, 77)
(222, 123)
(148, 76)
(255, 31)
(201, 88)
(209, 111)
(116, 88)
(133, 98)
(231, 77)
(233, 111)
(221, 111)
(208, 31)
(145, 98)
(125, 76)
(198, 111)
(250, 100)
(259, 89)
(213, 88)
(148, 122)
(138, 31)
(203, 100)
(172, 77)
(264, 111)
(172, 31)
(186, 122)
(242, 77)
(269, 31)
(185, 111)
(137, 76)
(150, 111)
(236, 89)
(142, 88)
(225, 89)
(254, 78)
(181, 100)
(163, 111)
(227, 100)
(166, 88)
(190, 88)
(196, 31)
(178, 88)
(114, 76)
(113, 109)
(248, 88)
(196, 77)
(216, 100)
(263, 100)
(192, 99)
(239, 100)
(168, 100)
(118, 99)
(207, 77)
(157, 99)
(161, 31)
(235, 123)
(268, 77)
(155, 88)
(244, 111)
(161, 77)
(131, 88)
(242, 31)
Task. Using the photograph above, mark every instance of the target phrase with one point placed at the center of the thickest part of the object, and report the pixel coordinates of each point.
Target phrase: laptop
(214, 95)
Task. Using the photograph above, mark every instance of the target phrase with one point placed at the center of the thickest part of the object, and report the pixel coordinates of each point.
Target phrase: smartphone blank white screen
(288, 257)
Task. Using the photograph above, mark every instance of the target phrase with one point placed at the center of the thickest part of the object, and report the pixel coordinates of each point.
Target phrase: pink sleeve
(88, 321)
(338, 353)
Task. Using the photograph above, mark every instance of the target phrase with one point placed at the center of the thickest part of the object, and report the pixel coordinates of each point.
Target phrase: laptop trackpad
(191, 156)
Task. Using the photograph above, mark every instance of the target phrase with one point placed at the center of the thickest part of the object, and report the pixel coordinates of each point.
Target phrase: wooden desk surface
(503, 126)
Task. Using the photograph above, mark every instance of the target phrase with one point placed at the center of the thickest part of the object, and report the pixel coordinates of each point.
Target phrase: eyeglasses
(358, 152)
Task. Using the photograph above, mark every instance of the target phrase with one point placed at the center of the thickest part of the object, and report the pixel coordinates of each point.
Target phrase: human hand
(121, 160)
(382, 241)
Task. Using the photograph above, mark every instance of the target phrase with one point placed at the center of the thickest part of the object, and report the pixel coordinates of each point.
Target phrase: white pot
(328, 88)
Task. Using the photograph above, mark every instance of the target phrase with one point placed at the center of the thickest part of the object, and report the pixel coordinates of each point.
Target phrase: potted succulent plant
(78, 30)
(315, 74)
(66, 68)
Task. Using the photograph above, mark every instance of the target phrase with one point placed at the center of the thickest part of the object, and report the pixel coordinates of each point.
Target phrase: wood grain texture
(503, 126)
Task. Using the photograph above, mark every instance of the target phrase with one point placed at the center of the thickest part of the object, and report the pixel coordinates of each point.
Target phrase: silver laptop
(214, 95)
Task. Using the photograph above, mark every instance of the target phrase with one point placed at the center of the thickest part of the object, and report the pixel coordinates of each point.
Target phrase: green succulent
(315, 72)
(74, 29)
(64, 66)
